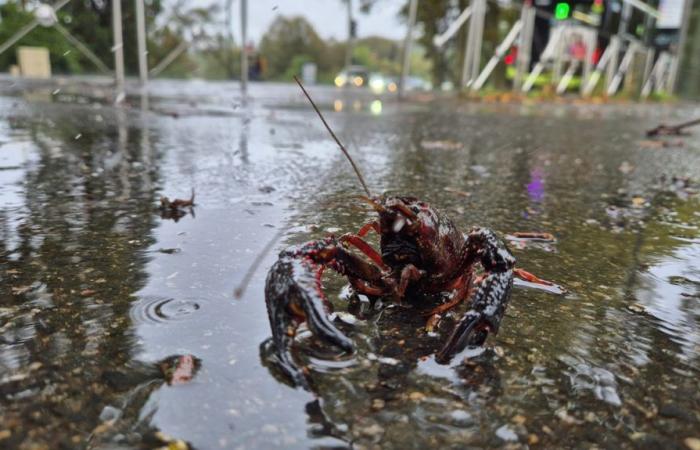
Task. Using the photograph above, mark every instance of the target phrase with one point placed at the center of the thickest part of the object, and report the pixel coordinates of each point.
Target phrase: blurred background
(653, 47)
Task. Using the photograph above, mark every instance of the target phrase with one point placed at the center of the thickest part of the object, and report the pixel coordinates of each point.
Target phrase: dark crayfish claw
(488, 307)
(292, 294)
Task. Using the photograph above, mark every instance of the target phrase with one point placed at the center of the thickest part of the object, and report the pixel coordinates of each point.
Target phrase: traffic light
(561, 11)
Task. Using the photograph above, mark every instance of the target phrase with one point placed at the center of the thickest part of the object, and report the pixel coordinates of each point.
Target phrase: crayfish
(422, 254)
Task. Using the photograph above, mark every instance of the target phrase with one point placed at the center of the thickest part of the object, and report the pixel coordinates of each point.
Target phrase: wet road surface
(118, 328)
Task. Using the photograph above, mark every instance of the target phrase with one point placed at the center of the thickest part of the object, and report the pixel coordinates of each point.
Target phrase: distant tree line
(211, 51)
(292, 41)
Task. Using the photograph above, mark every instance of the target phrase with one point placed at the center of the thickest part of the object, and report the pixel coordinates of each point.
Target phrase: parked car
(352, 76)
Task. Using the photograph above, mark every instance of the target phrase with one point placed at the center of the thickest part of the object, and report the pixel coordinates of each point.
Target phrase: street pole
(118, 49)
(468, 48)
(478, 23)
(244, 51)
(229, 26)
(141, 41)
(527, 17)
(351, 40)
(412, 10)
(687, 9)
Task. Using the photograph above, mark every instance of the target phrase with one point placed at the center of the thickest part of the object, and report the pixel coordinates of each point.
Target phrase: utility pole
(229, 26)
(412, 10)
(244, 46)
(675, 69)
(351, 35)
(141, 41)
(118, 50)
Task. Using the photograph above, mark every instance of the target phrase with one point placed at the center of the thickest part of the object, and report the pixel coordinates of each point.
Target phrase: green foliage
(295, 66)
(287, 38)
(433, 17)
(286, 46)
(292, 41)
(89, 21)
(377, 55)
(219, 59)
(63, 57)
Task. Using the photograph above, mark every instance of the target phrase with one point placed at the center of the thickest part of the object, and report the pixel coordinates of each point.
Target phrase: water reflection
(73, 243)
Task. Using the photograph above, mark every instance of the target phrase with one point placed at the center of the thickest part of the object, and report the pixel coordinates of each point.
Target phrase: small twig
(240, 289)
(337, 141)
(672, 130)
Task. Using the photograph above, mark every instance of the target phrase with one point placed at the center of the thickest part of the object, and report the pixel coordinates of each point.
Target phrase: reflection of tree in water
(68, 279)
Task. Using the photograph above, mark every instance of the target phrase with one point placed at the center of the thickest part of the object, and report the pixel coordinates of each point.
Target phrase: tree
(88, 20)
(91, 22)
(378, 54)
(61, 54)
(288, 38)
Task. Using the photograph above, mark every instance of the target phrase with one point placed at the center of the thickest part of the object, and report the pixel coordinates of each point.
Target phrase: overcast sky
(328, 17)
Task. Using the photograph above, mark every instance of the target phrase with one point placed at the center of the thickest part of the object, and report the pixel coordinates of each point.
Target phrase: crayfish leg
(527, 276)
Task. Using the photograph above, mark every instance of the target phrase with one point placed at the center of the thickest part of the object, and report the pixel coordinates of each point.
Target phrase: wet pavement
(118, 327)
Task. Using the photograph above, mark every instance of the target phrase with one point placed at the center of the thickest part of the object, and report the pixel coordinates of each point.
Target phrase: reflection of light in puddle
(431, 368)
(553, 289)
(328, 365)
(376, 107)
(585, 377)
(666, 291)
(338, 105)
(535, 189)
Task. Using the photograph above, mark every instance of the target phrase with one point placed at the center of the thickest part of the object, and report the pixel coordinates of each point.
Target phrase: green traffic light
(561, 11)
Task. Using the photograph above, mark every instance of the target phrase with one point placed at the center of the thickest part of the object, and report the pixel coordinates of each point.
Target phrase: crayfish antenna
(375, 205)
(243, 285)
(337, 141)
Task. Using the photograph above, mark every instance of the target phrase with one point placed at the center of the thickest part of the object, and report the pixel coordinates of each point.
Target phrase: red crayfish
(422, 254)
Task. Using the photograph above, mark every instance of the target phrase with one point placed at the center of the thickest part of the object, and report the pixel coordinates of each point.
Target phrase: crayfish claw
(282, 362)
(319, 323)
(293, 296)
(469, 331)
(488, 307)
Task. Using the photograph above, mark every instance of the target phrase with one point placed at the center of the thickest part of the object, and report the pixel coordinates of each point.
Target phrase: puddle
(116, 324)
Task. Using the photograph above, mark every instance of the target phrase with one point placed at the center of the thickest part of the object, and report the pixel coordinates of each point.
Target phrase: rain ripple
(157, 310)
